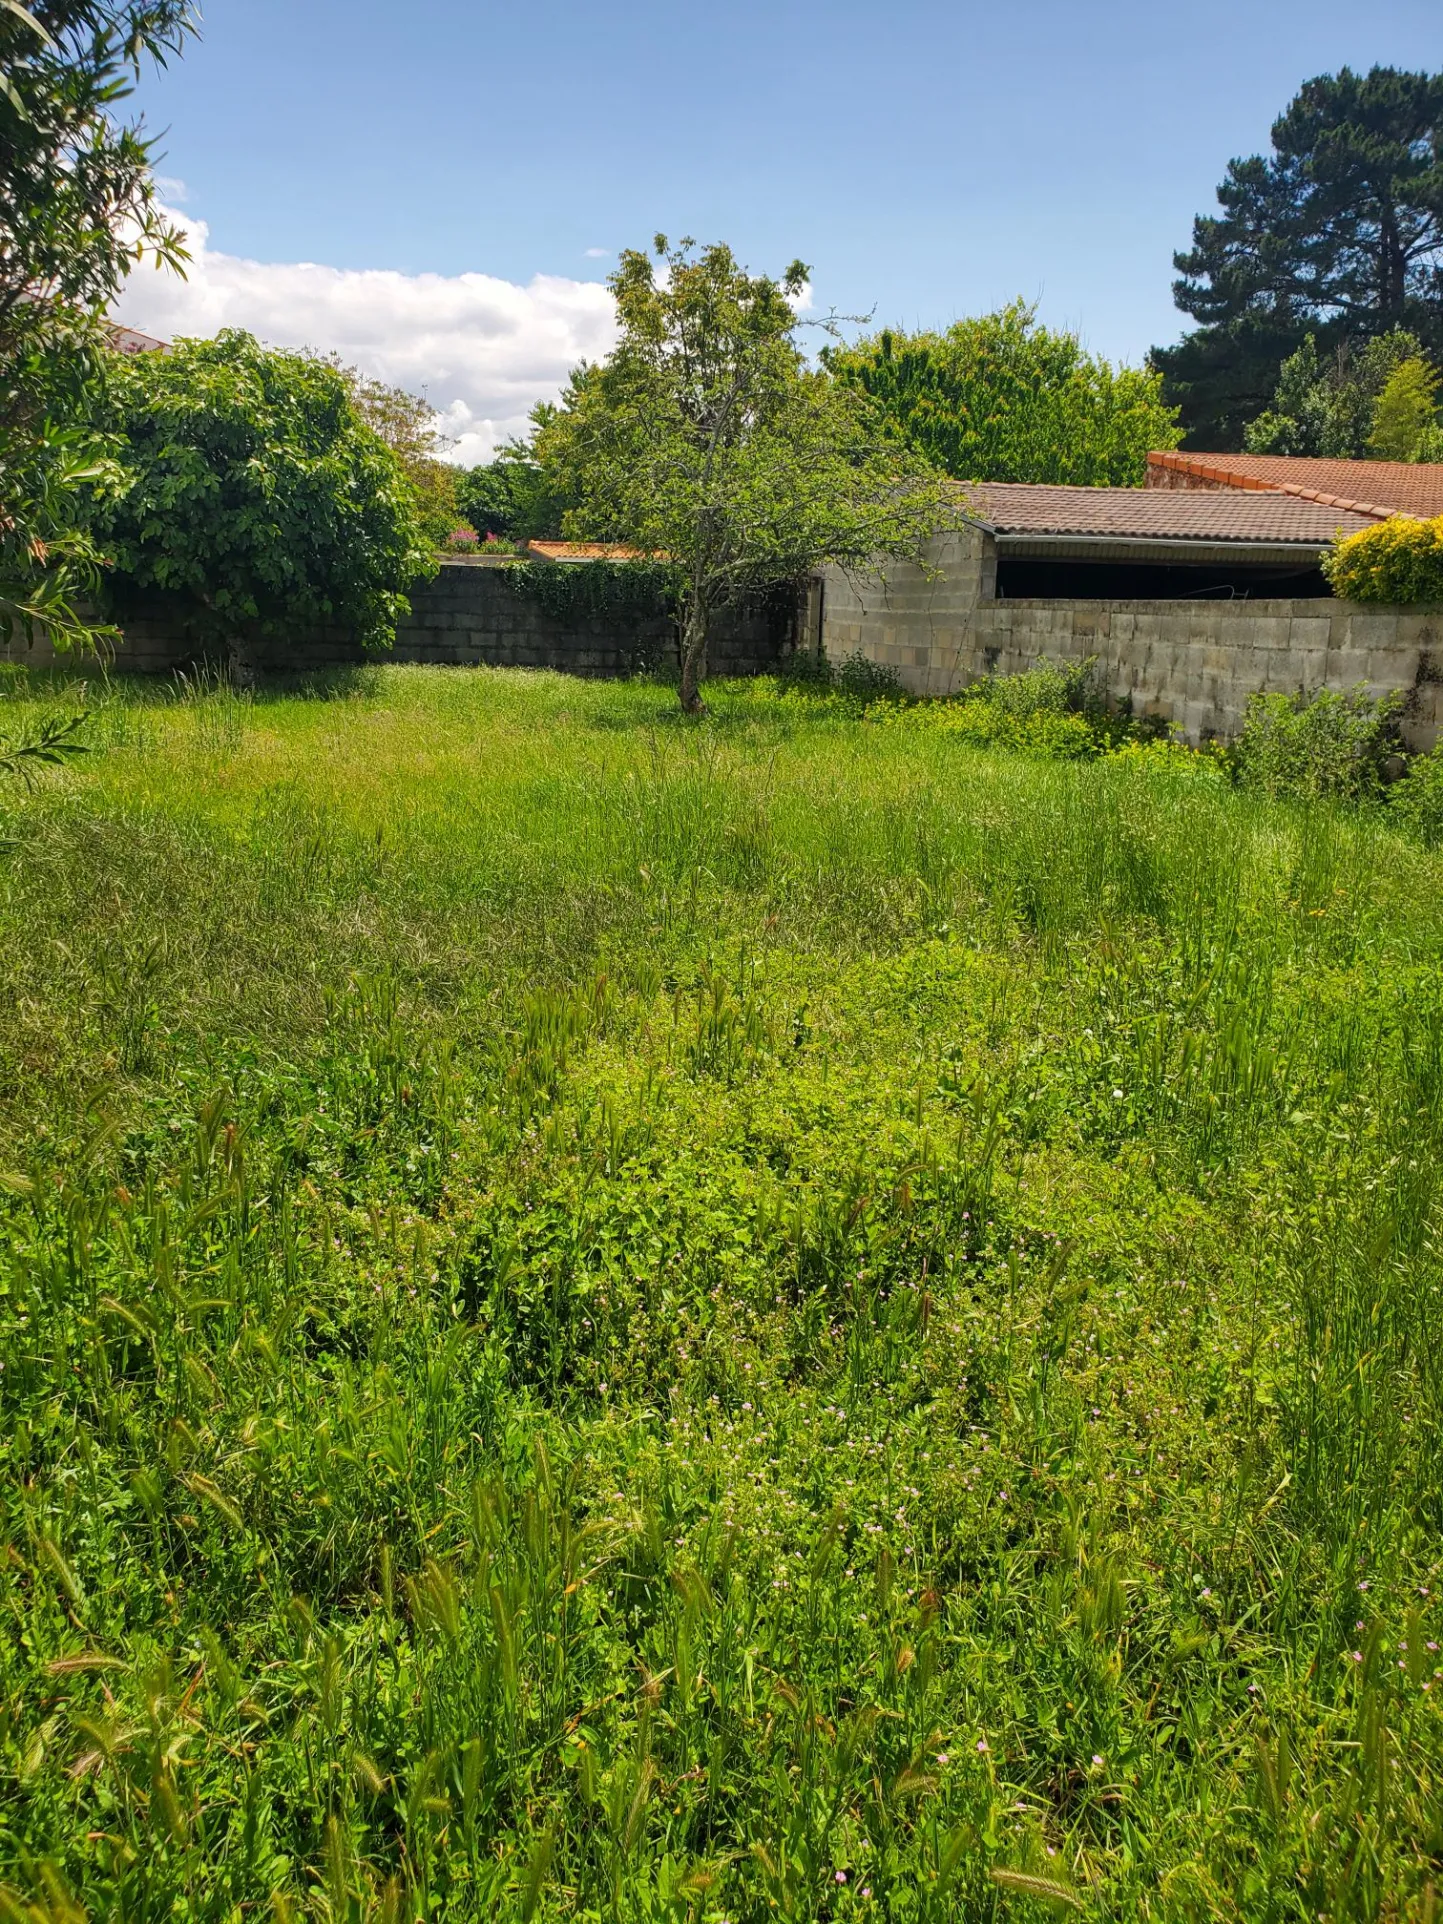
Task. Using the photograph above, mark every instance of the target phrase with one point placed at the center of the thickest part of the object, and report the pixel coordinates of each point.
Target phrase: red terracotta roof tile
(1161, 514)
(129, 340)
(1373, 488)
(583, 551)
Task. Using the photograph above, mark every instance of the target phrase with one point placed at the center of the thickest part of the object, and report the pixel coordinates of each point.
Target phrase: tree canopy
(407, 424)
(1338, 232)
(1405, 418)
(1000, 398)
(513, 496)
(258, 496)
(706, 437)
(77, 211)
(1350, 402)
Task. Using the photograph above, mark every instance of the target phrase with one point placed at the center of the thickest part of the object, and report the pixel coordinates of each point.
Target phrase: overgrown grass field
(791, 1317)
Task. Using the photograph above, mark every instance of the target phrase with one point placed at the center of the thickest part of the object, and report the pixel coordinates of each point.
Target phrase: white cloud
(482, 350)
(597, 254)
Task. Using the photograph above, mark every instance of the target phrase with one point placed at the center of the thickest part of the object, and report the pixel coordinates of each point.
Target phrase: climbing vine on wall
(598, 590)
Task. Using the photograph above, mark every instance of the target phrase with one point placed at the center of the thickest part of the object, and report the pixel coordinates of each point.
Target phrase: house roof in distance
(1161, 514)
(129, 340)
(583, 551)
(1373, 488)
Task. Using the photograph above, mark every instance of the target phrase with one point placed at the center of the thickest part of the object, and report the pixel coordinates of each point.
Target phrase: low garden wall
(1194, 663)
(473, 615)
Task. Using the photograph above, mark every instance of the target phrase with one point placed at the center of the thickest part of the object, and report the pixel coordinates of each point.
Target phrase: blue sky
(928, 160)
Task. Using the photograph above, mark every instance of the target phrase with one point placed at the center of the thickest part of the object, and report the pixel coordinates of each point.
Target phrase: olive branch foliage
(78, 212)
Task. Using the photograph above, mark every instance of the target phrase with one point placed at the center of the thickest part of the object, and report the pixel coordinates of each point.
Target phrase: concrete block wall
(915, 619)
(1193, 663)
(1197, 663)
(471, 615)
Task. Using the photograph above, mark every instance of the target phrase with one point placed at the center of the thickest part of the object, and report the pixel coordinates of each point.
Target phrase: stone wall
(470, 614)
(1193, 663)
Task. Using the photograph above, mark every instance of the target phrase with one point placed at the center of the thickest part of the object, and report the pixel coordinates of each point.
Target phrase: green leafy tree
(513, 496)
(1327, 403)
(1001, 399)
(77, 212)
(407, 425)
(260, 498)
(1339, 231)
(705, 437)
(1405, 419)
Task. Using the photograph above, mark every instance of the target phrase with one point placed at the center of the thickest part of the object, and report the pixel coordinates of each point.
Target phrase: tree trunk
(1392, 265)
(240, 660)
(693, 656)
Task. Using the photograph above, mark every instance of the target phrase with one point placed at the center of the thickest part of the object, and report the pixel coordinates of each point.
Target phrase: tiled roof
(1374, 488)
(129, 340)
(1159, 514)
(582, 551)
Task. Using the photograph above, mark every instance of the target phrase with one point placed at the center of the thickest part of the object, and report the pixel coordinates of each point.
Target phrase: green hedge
(1398, 560)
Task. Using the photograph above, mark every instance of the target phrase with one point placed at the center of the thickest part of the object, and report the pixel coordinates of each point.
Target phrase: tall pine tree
(1338, 232)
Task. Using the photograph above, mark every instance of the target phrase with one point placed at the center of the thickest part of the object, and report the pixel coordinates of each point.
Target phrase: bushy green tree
(407, 425)
(1327, 403)
(77, 211)
(1338, 231)
(513, 496)
(705, 437)
(1000, 398)
(1405, 419)
(259, 498)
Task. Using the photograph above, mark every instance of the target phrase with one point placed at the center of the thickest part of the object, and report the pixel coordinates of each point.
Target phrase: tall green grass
(617, 1320)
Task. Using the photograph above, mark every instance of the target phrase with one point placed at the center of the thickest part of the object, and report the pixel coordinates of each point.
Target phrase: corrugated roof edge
(1202, 467)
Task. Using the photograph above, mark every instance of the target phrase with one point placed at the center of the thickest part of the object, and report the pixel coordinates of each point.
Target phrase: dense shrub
(1052, 709)
(869, 680)
(1418, 798)
(1328, 744)
(1398, 560)
(987, 724)
(1048, 687)
(259, 497)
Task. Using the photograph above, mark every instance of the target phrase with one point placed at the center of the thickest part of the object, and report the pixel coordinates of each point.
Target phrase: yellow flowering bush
(1401, 559)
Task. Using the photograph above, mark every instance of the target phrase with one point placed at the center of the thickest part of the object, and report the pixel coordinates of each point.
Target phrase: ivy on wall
(611, 591)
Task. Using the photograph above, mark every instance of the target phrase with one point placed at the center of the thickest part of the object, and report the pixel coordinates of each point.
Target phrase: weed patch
(802, 1316)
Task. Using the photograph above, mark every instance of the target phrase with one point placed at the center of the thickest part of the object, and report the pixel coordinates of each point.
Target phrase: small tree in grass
(705, 437)
(259, 496)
